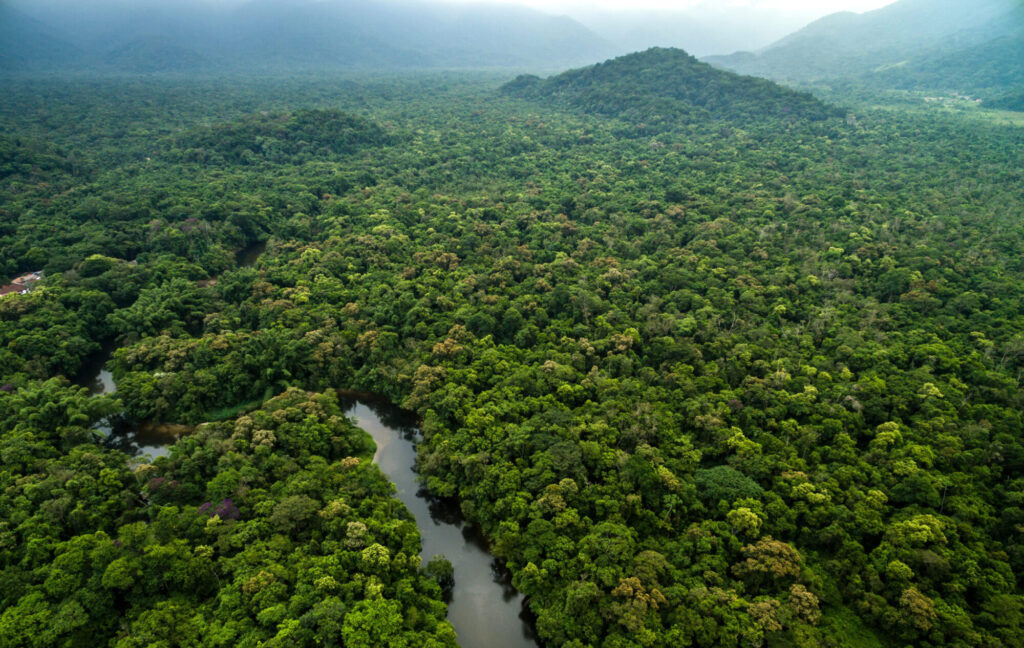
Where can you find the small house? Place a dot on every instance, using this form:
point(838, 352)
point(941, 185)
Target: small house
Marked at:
point(22, 284)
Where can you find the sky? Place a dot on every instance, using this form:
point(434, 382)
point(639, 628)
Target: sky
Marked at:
point(551, 6)
point(804, 6)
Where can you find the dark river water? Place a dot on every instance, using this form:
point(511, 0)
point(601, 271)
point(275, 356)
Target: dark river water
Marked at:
point(485, 609)
point(247, 256)
point(149, 439)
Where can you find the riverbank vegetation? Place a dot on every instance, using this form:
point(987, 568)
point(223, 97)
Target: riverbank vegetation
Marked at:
point(272, 529)
point(718, 383)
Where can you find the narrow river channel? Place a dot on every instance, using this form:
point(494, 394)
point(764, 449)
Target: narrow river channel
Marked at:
point(485, 609)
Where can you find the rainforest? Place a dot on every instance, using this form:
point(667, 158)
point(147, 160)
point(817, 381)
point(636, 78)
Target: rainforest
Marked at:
point(698, 359)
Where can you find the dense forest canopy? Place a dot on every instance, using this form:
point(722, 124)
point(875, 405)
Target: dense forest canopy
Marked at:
point(721, 379)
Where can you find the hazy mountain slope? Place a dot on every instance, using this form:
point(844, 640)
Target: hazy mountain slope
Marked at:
point(287, 35)
point(848, 44)
point(153, 55)
point(308, 35)
point(102, 25)
point(516, 36)
point(995, 65)
point(665, 85)
point(28, 45)
point(1013, 100)
point(412, 34)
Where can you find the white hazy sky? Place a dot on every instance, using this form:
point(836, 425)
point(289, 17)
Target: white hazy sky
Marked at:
point(801, 6)
point(804, 6)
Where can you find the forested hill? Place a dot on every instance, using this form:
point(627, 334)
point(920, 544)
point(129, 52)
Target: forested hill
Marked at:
point(989, 69)
point(961, 45)
point(667, 85)
point(1013, 100)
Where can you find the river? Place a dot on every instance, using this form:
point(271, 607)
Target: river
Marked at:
point(247, 256)
point(486, 611)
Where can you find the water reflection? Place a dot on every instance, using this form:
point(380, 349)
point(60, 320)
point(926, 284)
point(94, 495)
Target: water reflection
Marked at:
point(144, 439)
point(485, 608)
point(93, 374)
point(136, 439)
point(247, 256)
point(102, 383)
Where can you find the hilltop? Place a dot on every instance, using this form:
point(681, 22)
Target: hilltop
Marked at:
point(668, 84)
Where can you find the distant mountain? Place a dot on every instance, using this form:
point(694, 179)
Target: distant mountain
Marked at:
point(410, 34)
point(1013, 100)
point(511, 36)
point(665, 85)
point(268, 34)
point(290, 35)
point(940, 44)
point(153, 55)
point(993, 66)
point(28, 45)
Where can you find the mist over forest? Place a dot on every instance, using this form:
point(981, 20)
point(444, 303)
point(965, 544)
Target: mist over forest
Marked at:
point(207, 35)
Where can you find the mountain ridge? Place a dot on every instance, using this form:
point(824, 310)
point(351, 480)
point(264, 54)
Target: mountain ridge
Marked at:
point(259, 36)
